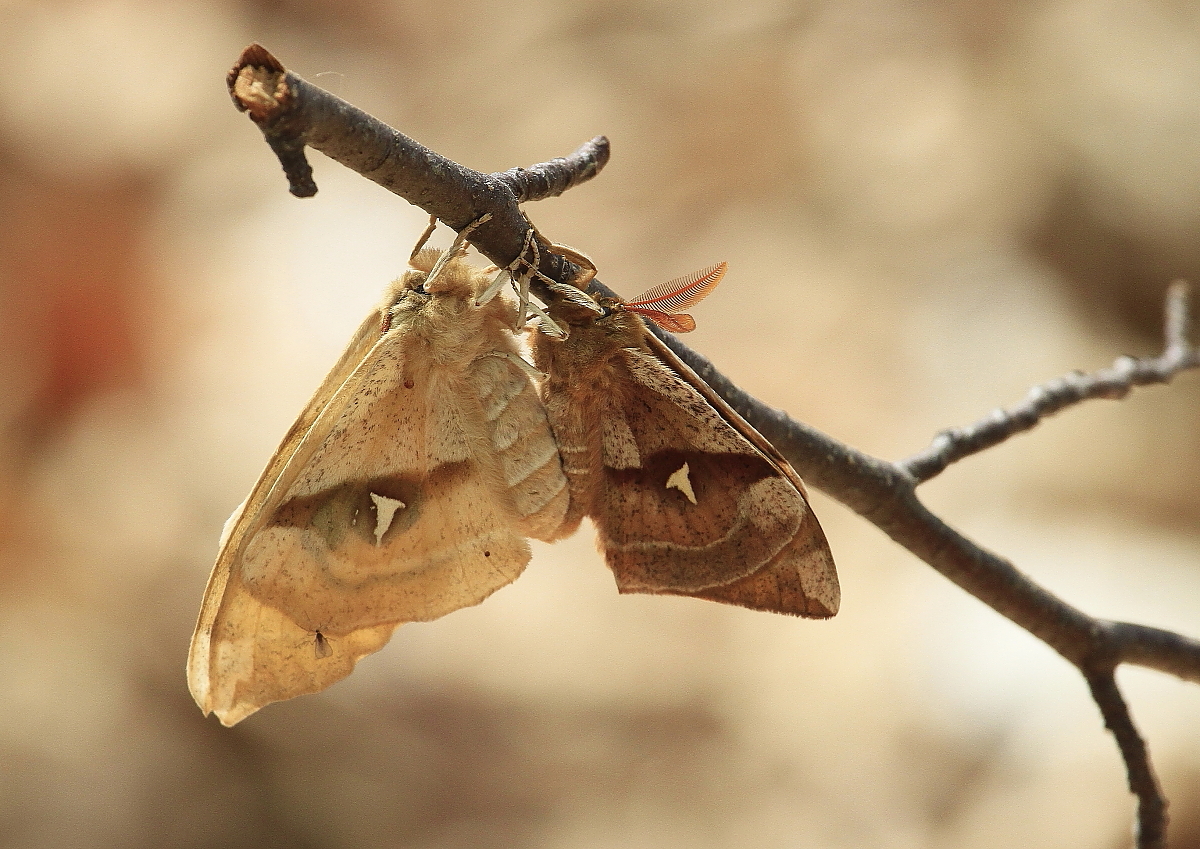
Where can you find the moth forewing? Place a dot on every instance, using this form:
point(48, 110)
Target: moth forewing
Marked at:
point(800, 579)
point(805, 566)
point(684, 372)
point(403, 492)
point(235, 527)
point(687, 498)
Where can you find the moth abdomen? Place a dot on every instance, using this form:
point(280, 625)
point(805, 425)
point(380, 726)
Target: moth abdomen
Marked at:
point(524, 446)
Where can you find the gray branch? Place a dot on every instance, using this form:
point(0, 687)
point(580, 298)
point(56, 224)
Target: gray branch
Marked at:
point(293, 113)
point(1115, 382)
point(1150, 830)
point(551, 179)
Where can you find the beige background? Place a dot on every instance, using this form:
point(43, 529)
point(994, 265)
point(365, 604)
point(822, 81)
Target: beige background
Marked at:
point(926, 208)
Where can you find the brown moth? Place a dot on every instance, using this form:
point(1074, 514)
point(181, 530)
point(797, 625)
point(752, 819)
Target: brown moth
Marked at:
point(687, 498)
point(404, 491)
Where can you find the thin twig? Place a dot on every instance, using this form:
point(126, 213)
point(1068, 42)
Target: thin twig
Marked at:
point(1153, 648)
point(885, 495)
point(1151, 828)
point(551, 179)
point(292, 111)
point(1115, 382)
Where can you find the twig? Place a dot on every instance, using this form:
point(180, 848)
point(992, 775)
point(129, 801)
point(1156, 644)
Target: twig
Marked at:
point(1151, 829)
point(551, 179)
point(1115, 382)
point(292, 112)
point(885, 494)
point(1153, 648)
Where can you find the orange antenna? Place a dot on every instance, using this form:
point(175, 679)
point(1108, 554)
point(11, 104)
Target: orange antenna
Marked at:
point(665, 304)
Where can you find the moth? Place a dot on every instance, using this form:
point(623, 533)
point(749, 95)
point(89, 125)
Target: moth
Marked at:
point(687, 498)
point(405, 490)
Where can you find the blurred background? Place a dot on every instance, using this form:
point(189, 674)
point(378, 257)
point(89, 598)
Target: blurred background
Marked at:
point(926, 207)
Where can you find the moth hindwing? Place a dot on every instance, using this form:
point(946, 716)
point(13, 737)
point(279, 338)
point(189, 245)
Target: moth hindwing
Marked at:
point(687, 498)
point(404, 491)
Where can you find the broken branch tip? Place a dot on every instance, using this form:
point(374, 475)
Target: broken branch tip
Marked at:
point(258, 56)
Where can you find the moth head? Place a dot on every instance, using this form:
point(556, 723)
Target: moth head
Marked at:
point(449, 282)
point(597, 330)
point(404, 297)
point(614, 319)
point(573, 306)
point(618, 323)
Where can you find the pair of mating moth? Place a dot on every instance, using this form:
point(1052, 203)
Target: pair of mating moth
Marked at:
point(409, 484)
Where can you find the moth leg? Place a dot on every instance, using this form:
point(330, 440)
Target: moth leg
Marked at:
point(548, 325)
point(457, 247)
point(518, 361)
point(494, 287)
point(573, 292)
point(520, 279)
point(570, 294)
point(587, 267)
point(523, 297)
point(511, 274)
point(531, 258)
point(525, 267)
point(433, 222)
point(577, 298)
